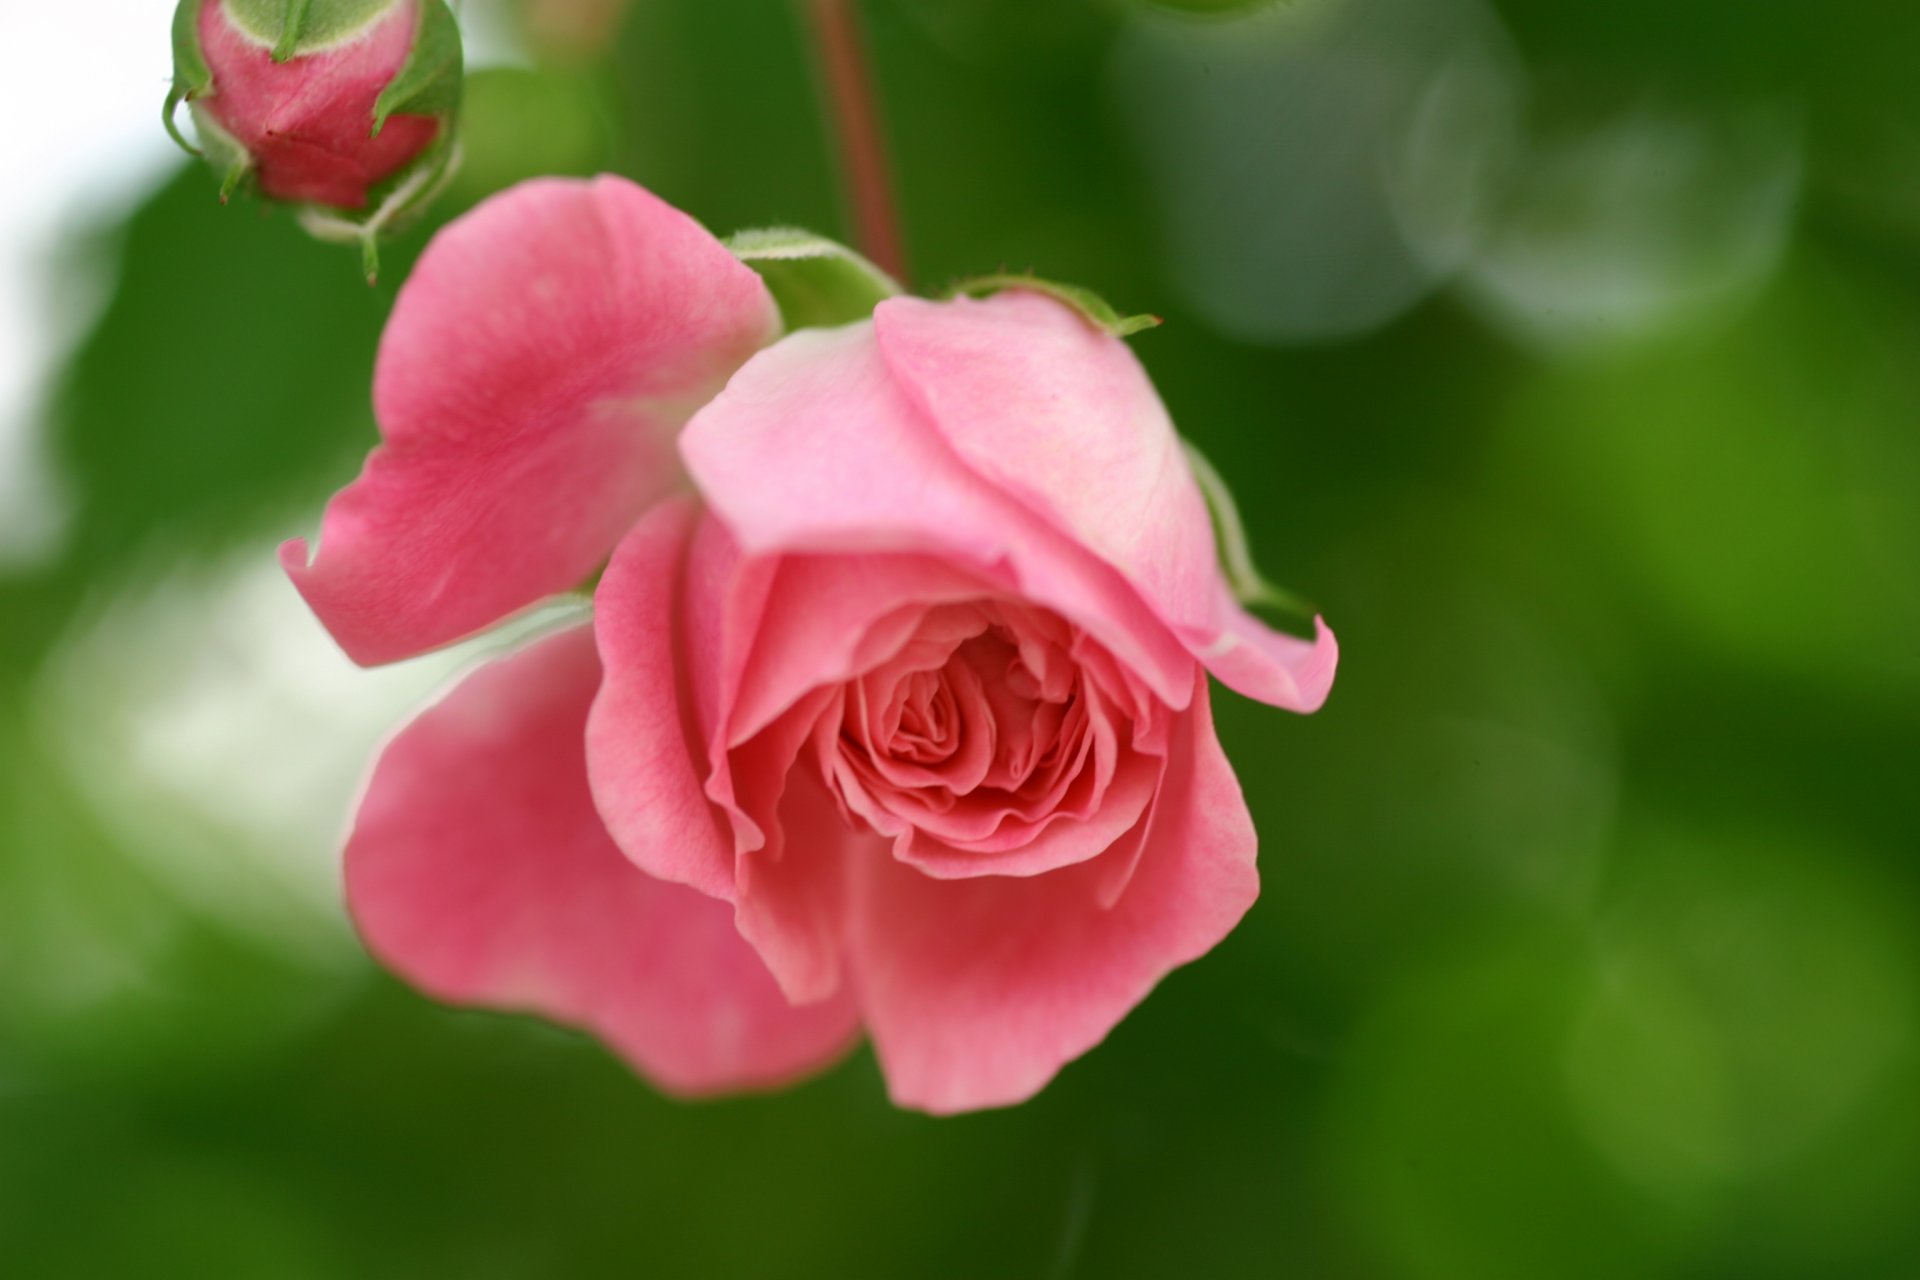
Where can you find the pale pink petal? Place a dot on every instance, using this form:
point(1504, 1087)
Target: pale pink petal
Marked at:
point(1060, 414)
point(977, 991)
point(538, 366)
point(646, 749)
point(479, 870)
point(812, 447)
point(1254, 660)
point(1049, 408)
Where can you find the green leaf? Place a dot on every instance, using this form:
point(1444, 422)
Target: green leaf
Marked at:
point(816, 281)
point(1276, 606)
point(430, 83)
point(191, 75)
point(1097, 310)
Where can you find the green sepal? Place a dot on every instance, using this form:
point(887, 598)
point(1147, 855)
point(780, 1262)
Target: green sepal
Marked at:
point(390, 207)
point(289, 41)
point(430, 82)
point(222, 152)
point(1097, 310)
point(297, 27)
point(191, 75)
point(235, 175)
point(1276, 606)
point(816, 281)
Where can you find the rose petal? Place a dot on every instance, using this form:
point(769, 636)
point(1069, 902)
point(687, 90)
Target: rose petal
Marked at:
point(977, 991)
point(826, 619)
point(1256, 661)
point(479, 871)
point(1052, 410)
point(1034, 848)
point(644, 743)
point(792, 908)
point(813, 448)
point(655, 621)
point(538, 366)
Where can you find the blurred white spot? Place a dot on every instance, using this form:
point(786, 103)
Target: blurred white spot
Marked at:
point(213, 723)
point(1321, 165)
point(490, 34)
point(1639, 225)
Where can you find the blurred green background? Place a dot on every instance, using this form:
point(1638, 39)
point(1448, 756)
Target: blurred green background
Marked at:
point(1568, 355)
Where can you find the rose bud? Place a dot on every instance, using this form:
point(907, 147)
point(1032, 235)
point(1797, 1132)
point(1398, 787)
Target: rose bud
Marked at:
point(345, 107)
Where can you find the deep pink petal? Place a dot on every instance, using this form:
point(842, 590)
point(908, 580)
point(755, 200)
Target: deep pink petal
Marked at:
point(792, 907)
point(812, 447)
point(646, 749)
point(1037, 848)
point(479, 870)
point(538, 366)
point(977, 991)
point(826, 619)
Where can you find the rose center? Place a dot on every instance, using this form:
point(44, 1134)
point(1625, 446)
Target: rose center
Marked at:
point(981, 707)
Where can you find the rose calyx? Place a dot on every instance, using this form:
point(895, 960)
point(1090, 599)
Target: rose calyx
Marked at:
point(817, 282)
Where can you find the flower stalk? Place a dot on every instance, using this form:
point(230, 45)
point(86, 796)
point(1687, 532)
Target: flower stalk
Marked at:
point(853, 110)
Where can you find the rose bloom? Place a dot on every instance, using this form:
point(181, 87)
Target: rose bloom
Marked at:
point(893, 713)
point(307, 123)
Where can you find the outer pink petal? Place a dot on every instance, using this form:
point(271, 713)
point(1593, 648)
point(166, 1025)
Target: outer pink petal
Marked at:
point(539, 363)
point(479, 870)
point(813, 448)
point(1253, 659)
point(977, 991)
point(646, 749)
point(1052, 410)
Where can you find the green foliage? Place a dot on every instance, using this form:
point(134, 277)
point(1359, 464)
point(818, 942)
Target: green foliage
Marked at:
point(1586, 945)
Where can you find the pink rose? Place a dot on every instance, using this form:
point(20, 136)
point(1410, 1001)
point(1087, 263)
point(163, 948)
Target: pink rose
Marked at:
point(899, 710)
point(301, 119)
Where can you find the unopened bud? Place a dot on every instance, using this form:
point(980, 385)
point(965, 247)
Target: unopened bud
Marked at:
point(345, 107)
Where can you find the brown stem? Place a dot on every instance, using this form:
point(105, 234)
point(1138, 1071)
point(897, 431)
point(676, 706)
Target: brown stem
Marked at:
point(855, 111)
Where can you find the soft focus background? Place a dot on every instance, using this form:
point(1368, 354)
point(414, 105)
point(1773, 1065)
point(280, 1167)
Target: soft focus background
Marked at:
point(1567, 354)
